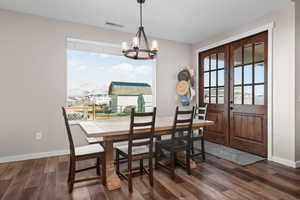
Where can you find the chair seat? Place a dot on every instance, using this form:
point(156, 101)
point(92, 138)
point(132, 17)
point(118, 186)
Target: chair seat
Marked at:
point(88, 149)
point(135, 150)
point(172, 145)
point(166, 137)
point(125, 143)
point(94, 140)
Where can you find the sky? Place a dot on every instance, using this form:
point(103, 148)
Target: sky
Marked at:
point(91, 71)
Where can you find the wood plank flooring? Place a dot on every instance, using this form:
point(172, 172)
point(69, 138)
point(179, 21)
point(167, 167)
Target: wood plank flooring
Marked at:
point(214, 179)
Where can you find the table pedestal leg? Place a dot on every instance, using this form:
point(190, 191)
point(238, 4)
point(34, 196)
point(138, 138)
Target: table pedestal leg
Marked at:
point(112, 180)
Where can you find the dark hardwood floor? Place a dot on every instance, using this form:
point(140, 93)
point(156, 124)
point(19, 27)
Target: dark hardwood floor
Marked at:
point(214, 179)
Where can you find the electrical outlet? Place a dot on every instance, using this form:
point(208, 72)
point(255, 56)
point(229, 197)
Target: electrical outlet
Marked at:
point(38, 135)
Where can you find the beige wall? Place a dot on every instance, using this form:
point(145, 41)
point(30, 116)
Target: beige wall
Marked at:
point(283, 78)
point(33, 78)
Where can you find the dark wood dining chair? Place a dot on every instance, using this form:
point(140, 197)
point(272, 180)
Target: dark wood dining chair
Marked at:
point(200, 113)
point(91, 151)
point(140, 146)
point(180, 141)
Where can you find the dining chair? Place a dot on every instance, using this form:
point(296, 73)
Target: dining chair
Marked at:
point(140, 146)
point(91, 151)
point(200, 113)
point(179, 142)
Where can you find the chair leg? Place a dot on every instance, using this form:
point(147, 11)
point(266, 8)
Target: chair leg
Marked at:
point(151, 170)
point(72, 175)
point(188, 160)
point(98, 167)
point(156, 155)
point(192, 147)
point(202, 148)
point(70, 169)
point(172, 165)
point(130, 176)
point(117, 162)
point(141, 167)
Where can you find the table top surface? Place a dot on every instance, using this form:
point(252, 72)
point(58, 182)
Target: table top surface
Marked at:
point(120, 126)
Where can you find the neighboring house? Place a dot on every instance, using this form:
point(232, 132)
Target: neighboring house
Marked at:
point(124, 94)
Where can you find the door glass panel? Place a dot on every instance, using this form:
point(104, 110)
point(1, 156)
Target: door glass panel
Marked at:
point(259, 73)
point(238, 95)
point(259, 52)
point(213, 95)
point(248, 74)
point(247, 94)
point(221, 95)
point(248, 54)
point(206, 79)
point(221, 78)
point(206, 63)
point(221, 60)
point(238, 56)
point(213, 78)
point(213, 61)
point(237, 75)
point(259, 95)
point(206, 95)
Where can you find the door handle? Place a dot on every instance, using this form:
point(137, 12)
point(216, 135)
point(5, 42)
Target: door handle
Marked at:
point(231, 108)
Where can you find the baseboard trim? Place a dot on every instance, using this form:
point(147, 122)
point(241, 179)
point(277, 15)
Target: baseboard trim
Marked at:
point(282, 161)
point(33, 156)
point(297, 164)
point(286, 162)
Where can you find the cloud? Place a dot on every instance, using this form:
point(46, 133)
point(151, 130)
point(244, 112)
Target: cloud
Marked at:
point(123, 67)
point(101, 67)
point(94, 54)
point(73, 62)
point(99, 54)
point(142, 69)
point(81, 67)
point(104, 55)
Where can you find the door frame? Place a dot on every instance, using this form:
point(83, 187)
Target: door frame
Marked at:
point(268, 27)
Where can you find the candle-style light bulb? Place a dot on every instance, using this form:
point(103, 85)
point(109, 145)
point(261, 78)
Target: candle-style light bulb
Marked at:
point(154, 45)
point(135, 42)
point(124, 46)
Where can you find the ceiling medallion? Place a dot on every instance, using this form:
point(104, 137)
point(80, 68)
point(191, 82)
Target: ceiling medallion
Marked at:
point(139, 48)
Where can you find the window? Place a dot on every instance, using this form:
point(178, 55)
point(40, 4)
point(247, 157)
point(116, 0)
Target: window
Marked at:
point(249, 75)
point(103, 84)
point(214, 79)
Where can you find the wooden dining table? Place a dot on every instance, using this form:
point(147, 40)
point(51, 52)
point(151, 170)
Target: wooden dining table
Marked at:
point(116, 130)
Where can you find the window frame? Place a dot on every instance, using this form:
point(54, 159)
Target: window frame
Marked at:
point(103, 48)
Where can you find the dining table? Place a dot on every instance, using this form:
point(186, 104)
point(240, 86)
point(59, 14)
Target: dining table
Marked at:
point(117, 129)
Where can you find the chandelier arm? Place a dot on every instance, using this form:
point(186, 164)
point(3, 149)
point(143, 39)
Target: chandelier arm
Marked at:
point(146, 39)
point(139, 37)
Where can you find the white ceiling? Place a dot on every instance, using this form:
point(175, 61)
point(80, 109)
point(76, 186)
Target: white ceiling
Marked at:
point(180, 20)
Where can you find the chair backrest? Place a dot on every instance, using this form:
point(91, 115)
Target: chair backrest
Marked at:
point(183, 123)
point(71, 143)
point(201, 112)
point(142, 126)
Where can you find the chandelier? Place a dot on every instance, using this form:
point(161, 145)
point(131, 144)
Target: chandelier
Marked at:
point(139, 49)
